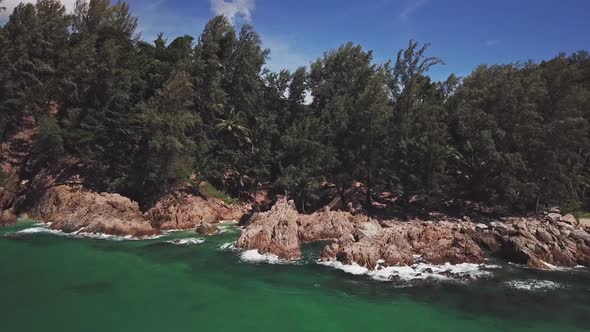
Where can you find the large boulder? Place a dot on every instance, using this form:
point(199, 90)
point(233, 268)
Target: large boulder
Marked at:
point(71, 209)
point(273, 232)
point(182, 210)
point(207, 229)
point(7, 218)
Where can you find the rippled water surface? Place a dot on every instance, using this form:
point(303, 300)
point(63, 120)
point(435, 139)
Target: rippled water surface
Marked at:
point(187, 282)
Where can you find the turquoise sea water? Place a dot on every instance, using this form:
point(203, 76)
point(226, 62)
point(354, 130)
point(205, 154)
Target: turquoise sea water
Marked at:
point(50, 282)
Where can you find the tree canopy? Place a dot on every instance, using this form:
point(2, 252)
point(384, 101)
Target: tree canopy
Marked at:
point(143, 117)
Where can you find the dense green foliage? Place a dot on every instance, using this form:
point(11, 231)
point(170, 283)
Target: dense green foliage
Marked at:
point(146, 117)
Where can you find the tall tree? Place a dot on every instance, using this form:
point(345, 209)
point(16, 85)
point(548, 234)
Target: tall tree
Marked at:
point(417, 139)
point(339, 85)
point(34, 38)
point(102, 127)
point(169, 121)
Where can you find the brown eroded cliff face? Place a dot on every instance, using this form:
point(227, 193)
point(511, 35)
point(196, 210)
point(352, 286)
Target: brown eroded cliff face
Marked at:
point(70, 207)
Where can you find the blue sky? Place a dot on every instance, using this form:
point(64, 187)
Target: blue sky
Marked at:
point(464, 33)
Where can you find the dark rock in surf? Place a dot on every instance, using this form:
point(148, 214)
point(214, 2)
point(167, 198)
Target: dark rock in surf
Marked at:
point(207, 229)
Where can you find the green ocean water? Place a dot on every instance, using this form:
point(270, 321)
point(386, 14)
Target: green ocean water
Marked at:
point(56, 283)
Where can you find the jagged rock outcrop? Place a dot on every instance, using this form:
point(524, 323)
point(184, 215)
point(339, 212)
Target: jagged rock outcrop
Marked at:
point(539, 243)
point(72, 208)
point(207, 229)
point(401, 242)
point(556, 240)
point(361, 240)
point(182, 210)
point(274, 232)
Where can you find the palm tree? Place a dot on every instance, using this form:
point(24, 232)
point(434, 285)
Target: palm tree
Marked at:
point(233, 129)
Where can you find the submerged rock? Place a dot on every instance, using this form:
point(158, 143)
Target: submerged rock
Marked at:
point(273, 232)
point(207, 229)
point(71, 209)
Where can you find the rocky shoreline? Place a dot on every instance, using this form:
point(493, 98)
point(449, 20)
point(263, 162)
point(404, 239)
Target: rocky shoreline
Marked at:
point(537, 242)
point(540, 242)
point(58, 196)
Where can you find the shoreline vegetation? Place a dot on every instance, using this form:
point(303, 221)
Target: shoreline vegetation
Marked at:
point(103, 132)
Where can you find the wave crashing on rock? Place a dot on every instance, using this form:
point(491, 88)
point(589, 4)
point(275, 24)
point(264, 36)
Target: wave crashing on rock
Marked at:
point(80, 234)
point(418, 271)
point(533, 285)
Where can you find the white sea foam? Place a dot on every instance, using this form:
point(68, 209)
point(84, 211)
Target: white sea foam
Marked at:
point(253, 256)
point(555, 267)
point(187, 241)
point(227, 227)
point(227, 246)
point(174, 230)
point(40, 229)
point(348, 268)
point(80, 234)
point(549, 266)
point(419, 271)
point(533, 285)
point(228, 222)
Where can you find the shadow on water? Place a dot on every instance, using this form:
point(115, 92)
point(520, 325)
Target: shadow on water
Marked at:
point(91, 287)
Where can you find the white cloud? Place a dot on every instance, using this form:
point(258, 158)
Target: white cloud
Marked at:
point(11, 4)
point(282, 55)
point(411, 8)
point(233, 8)
point(155, 17)
point(491, 42)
